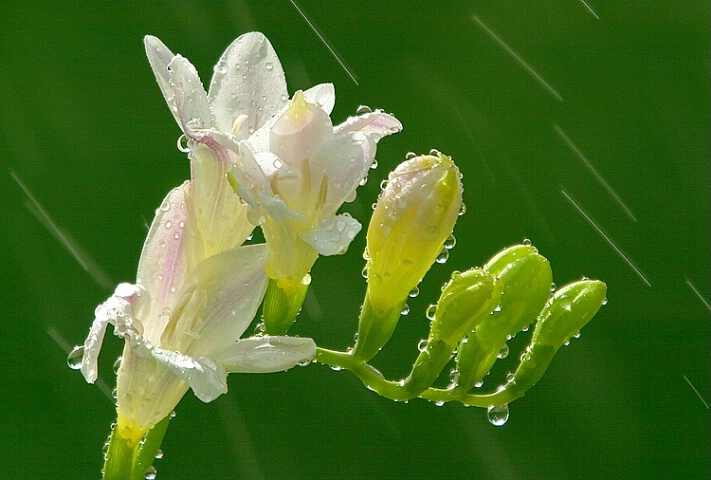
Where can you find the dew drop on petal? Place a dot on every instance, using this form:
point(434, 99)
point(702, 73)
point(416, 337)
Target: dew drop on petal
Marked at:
point(498, 414)
point(75, 357)
point(410, 155)
point(435, 153)
point(450, 242)
point(526, 242)
point(364, 273)
point(504, 352)
point(553, 287)
point(117, 364)
point(604, 301)
point(183, 144)
point(422, 345)
point(363, 109)
point(479, 384)
point(430, 313)
point(159, 454)
point(269, 66)
point(414, 292)
point(168, 224)
point(462, 209)
point(374, 165)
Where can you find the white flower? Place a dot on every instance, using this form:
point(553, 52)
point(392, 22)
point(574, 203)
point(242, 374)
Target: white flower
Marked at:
point(197, 289)
point(297, 170)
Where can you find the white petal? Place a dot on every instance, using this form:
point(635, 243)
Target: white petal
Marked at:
point(338, 167)
point(252, 184)
point(180, 85)
point(333, 235)
point(376, 125)
point(119, 311)
point(229, 287)
point(323, 95)
point(171, 250)
point(267, 354)
point(248, 80)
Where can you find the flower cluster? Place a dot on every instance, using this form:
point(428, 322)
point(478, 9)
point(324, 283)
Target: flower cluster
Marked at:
point(261, 159)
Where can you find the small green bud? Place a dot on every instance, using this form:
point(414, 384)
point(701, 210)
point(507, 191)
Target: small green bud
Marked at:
point(525, 277)
point(414, 216)
point(466, 300)
point(566, 313)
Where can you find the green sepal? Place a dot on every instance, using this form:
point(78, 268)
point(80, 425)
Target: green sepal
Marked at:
point(281, 307)
point(375, 327)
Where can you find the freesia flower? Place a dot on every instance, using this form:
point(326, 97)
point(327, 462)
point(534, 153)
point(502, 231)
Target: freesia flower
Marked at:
point(197, 289)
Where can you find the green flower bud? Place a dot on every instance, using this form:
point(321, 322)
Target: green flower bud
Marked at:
point(281, 306)
point(525, 277)
point(414, 216)
point(570, 308)
point(466, 300)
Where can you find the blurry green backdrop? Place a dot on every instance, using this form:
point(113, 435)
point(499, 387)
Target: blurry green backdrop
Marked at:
point(607, 116)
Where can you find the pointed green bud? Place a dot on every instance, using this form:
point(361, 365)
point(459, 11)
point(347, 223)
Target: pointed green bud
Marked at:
point(525, 277)
point(282, 304)
point(414, 216)
point(569, 310)
point(466, 300)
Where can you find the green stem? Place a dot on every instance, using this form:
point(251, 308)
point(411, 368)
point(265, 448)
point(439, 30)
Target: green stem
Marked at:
point(147, 449)
point(126, 461)
point(119, 458)
point(399, 391)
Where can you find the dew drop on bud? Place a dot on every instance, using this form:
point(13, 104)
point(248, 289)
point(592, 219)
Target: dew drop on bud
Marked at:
point(183, 144)
point(150, 473)
point(450, 242)
point(462, 209)
point(75, 357)
point(422, 346)
point(159, 454)
point(363, 109)
point(604, 301)
point(479, 384)
point(439, 403)
point(526, 242)
point(443, 256)
point(374, 165)
point(117, 364)
point(553, 287)
point(405, 310)
point(410, 155)
point(504, 352)
point(364, 273)
point(435, 153)
point(414, 292)
point(430, 313)
point(498, 414)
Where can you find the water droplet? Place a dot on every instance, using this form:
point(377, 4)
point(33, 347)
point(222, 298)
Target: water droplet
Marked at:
point(410, 155)
point(165, 206)
point(75, 357)
point(363, 109)
point(450, 242)
point(526, 242)
point(435, 153)
point(159, 454)
point(504, 352)
point(576, 334)
point(553, 287)
point(168, 224)
point(278, 163)
point(430, 313)
point(422, 345)
point(443, 256)
point(414, 292)
point(259, 329)
point(173, 414)
point(151, 473)
point(176, 236)
point(405, 310)
point(269, 66)
point(498, 309)
point(336, 368)
point(462, 209)
point(182, 225)
point(604, 301)
point(510, 377)
point(479, 384)
point(117, 364)
point(183, 144)
point(364, 273)
point(363, 181)
point(498, 414)
point(374, 165)
point(439, 403)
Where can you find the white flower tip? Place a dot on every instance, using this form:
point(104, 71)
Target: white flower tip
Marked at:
point(268, 354)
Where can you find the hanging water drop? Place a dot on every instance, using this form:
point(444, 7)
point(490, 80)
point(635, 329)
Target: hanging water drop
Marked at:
point(364, 273)
point(405, 310)
point(410, 155)
point(422, 345)
point(604, 301)
point(374, 165)
point(151, 473)
point(504, 352)
point(430, 313)
point(526, 242)
point(117, 365)
point(159, 454)
point(553, 287)
point(479, 384)
point(414, 292)
point(443, 256)
point(183, 144)
point(450, 242)
point(363, 109)
point(498, 414)
point(75, 357)
point(462, 209)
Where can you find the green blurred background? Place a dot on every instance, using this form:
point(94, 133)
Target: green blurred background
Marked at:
point(86, 130)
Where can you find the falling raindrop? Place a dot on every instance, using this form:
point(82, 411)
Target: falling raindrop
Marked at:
point(504, 352)
point(75, 357)
point(498, 414)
